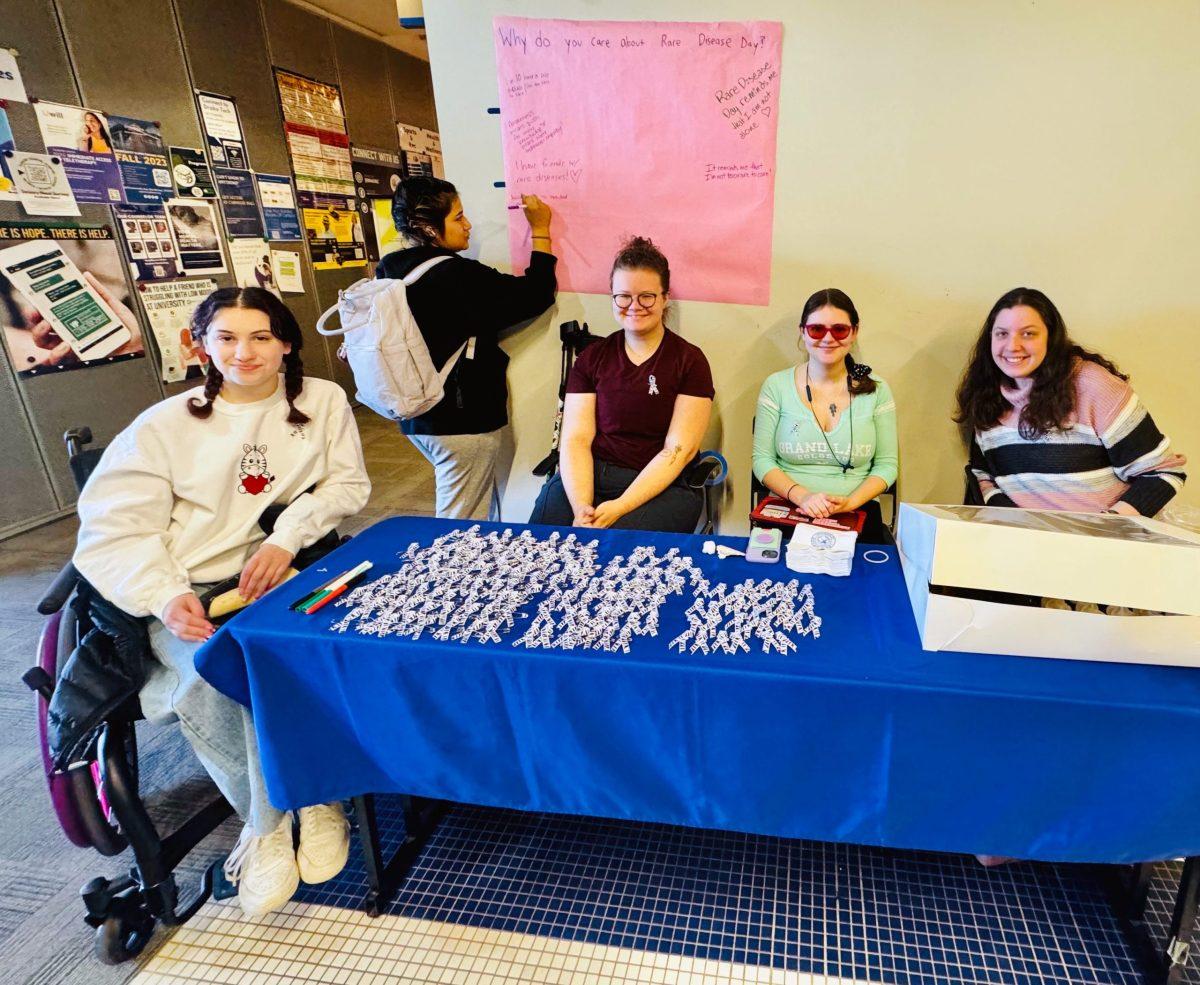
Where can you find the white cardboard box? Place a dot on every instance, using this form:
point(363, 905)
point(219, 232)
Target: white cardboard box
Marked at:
point(1085, 557)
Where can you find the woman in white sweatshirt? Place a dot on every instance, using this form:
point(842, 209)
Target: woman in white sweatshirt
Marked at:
point(173, 507)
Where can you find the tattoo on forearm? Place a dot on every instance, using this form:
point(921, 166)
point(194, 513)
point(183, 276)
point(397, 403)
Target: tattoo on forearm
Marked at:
point(672, 453)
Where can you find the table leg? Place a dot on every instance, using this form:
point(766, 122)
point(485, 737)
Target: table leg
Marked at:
point(384, 877)
point(1128, 893)
point(1183, 920)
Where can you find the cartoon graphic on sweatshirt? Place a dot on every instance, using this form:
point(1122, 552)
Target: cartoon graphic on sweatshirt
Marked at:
point(255, 477)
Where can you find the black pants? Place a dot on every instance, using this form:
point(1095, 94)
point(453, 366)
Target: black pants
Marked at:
point(675, 510)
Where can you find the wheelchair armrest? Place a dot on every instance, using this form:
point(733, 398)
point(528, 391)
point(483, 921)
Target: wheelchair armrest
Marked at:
point(59, 591)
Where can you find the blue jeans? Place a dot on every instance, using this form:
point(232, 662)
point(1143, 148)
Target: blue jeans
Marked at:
point(675, 510)
point(219, 730)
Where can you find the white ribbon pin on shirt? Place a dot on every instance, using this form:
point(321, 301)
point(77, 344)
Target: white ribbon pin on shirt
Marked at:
point(653, 386)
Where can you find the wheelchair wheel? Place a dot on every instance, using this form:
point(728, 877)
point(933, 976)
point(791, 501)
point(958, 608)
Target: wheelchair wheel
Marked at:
point(78, 793)
point(120, 938)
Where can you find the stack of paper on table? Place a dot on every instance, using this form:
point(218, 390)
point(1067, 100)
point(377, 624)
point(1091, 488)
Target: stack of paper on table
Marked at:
point(824, 546)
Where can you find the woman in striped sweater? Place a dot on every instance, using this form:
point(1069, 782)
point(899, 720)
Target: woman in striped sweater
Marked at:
point(1057, 427)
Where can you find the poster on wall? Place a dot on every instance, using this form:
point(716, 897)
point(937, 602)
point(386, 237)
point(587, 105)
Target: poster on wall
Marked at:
point(222, 130)
point(377, 173)
point(251, 262)
point(421, 150)
point(191, 174)
point(40, 182)
point(315, 126)
point(335, 237)
point(238, 204)
point(384, 228)
point(703, 173)
point(412, 138)
point(8, 190)
point(64, 303)
point(433, 150)
point(81, 138)
point(142, 159)
point(196, 236)
point(12, 87)
point(148, 244)
point(288, 275)
point(169, 308)
point(278, 203)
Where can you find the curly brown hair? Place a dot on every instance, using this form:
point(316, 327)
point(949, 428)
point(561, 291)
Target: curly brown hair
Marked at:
point(980, 397)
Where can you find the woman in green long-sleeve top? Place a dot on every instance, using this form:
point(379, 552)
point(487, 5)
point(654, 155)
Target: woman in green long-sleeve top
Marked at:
point(825, 430)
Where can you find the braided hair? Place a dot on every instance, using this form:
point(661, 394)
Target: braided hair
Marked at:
point(858, 375)
point(420, 206)
point(283, 326)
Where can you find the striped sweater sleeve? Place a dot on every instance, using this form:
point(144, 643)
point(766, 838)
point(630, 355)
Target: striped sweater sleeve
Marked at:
point(991, 493)
point(1140, 454)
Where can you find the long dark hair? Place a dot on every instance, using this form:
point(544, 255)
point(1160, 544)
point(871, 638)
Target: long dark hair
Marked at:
point(283, 326)
point(420, 206)
point(858, 376)
point(981, 400)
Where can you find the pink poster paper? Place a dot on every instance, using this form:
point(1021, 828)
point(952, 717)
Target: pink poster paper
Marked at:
point(666, 130)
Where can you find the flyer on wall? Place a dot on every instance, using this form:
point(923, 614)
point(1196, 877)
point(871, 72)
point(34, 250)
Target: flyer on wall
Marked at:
point(41, 184)
point(148, 243)
point(251, 261)
point(335, 238)
point(238, 204)
point(82, 139)
point(278, 203)
point(288, 275)
point(142, 158)
point(12, 87)
point(169, 308)
point(315, 126)
point(64, 302)
point(223, 130)
point(383, 226)
point(196, 236)
point(377, 173)
point(190, 171)
point(8, 191)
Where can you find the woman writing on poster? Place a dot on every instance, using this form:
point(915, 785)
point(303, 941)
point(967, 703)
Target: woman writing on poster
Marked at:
point(461, 304)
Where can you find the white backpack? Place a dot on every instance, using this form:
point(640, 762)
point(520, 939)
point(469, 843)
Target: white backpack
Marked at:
point(386, 351)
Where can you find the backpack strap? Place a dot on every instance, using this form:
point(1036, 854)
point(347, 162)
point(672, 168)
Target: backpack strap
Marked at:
point(421, 269)
point(411, 278)
point(415, 275)
point(332, 309)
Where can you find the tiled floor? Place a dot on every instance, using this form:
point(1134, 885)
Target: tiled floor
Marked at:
point(500, 896)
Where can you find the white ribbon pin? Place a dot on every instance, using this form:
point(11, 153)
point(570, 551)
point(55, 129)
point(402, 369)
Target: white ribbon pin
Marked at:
point(653, 386)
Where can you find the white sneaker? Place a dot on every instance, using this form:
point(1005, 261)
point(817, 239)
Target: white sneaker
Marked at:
point(264, 868)
point(324, 842)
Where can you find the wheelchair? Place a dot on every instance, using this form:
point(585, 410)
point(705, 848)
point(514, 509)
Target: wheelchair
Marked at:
point(96, 797)
point(706, 472)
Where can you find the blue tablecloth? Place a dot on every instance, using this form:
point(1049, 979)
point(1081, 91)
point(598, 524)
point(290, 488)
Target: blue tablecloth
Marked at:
point(860, 736)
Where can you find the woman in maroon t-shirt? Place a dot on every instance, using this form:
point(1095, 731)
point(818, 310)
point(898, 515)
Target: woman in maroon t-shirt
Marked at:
point(637, 406)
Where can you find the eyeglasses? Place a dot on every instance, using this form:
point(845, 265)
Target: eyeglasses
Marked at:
point(644, 300)
point(839, 332)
